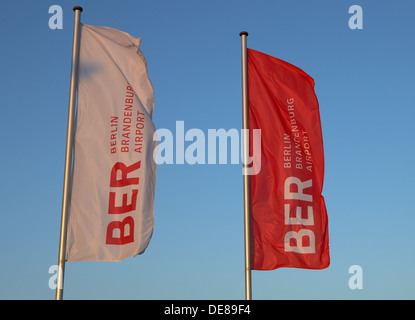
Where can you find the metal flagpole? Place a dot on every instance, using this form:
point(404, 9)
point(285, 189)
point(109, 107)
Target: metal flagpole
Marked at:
point(245, 127)
point(68, 156)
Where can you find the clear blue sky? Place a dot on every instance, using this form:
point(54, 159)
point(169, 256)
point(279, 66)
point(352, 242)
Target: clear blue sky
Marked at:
point(365, 85)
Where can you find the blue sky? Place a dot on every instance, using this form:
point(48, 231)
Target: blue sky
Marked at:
point(364, 83)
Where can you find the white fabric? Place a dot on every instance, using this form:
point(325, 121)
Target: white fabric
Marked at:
point(114, 125)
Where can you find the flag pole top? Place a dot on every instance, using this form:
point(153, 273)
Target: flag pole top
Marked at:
point(243, 33)
point(77, 8)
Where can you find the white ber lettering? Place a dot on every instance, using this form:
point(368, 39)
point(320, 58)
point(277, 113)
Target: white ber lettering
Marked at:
point(302, 241)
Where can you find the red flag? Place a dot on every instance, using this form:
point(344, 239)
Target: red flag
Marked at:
point(288, 213)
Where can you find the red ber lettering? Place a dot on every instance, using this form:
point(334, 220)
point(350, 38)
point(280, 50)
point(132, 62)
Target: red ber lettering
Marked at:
point(120, 225)
point(124, 181)
point(112, 209)
point(122, 176)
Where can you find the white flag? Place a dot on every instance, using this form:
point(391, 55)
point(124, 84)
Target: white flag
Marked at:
point(112, 203)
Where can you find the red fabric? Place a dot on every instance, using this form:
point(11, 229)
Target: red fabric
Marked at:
point(288, 213)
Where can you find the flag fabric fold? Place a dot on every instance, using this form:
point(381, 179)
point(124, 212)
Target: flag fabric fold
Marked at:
point(112, 202)
point(289, 226)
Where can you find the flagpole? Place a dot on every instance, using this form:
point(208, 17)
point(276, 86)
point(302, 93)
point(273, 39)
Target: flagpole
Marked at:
point(245, 127)
point(68, 156)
